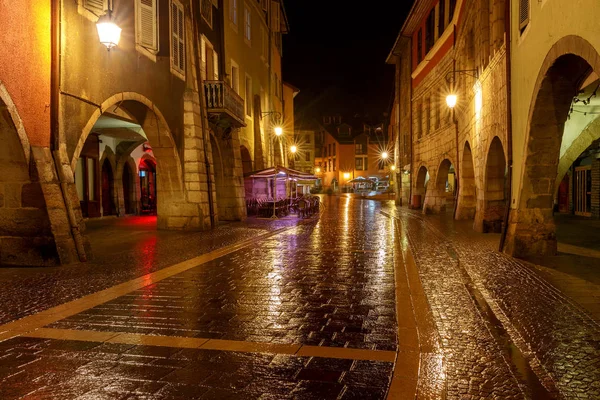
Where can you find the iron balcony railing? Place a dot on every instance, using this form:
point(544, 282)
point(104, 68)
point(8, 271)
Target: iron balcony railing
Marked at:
point(221, 98)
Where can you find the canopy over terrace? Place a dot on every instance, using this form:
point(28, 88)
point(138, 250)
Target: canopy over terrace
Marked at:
point(260, 184)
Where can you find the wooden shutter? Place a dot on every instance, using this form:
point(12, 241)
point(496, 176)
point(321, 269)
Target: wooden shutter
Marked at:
point(275, 20)
point(203, 58)
point(146, 24)
point(96, 6)
point(523, 13)
point(177, 37)
point(264, 4)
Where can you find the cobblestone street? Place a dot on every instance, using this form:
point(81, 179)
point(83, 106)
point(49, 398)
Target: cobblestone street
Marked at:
point(365, 301)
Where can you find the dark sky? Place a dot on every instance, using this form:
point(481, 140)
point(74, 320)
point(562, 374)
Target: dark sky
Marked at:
point(336, 50)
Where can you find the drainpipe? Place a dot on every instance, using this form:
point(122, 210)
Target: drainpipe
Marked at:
point(55, 30)
point(508, 124)
point(457, 167)
point(203, 118)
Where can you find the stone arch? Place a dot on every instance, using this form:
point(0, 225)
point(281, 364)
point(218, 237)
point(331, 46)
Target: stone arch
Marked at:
point(437, 197)
point(174, 209)
point(491, 205)
point(569, 62)
point(420, 189)
point(28, 236)
point(246, 160)
point(467, 195)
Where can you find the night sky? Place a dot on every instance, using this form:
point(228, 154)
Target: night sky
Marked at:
point(335, 54)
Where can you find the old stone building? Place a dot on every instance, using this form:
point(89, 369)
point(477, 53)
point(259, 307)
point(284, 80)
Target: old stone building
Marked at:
point(454, 159)
point(521, 141)
point(143, 121)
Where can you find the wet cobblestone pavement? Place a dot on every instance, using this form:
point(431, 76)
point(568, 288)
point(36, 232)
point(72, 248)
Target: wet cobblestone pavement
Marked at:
point(324, 288)
point(315, 310)
point(123, 249)
point(558, 339)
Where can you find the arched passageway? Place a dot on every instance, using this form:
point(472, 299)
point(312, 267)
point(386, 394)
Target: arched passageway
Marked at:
point(134, 130)
point(420, 188)
point(442, 193)
point(532, 229)
point(492, 204)
point(465, 208)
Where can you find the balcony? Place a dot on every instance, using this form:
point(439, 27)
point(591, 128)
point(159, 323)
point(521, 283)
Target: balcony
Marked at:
point(223, 102)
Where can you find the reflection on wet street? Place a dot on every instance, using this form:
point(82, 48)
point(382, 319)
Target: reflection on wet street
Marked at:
point(305, 313)
point(365, 301)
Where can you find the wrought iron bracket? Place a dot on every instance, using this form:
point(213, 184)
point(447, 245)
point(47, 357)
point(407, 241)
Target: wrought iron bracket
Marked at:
point(451, 75)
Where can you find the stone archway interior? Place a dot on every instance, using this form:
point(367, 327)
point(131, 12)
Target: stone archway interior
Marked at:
point(442, 192)
point(532, 228)
point(420, 188)
point(468, 190)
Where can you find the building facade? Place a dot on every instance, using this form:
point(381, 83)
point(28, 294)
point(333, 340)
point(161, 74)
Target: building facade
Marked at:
point(454, 158)
point(148, 123)
point(522, 138)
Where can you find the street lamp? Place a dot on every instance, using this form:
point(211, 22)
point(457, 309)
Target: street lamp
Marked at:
point(451, 100)
point(293, 149)
point(317, 170)
point(109, 33)
point(278, 130)
point(393, 167)
point(384, 155)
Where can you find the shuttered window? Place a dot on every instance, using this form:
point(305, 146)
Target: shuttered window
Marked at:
point(146, 24)
point(247, 24)
point(233, 11)
point(206, 10)
point(523, 13)
point(275, 16)
point(177, 38)
point(216, 65)
point(98, 7)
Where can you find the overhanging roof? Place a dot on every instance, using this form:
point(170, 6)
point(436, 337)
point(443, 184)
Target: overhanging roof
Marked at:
point(418, 11)
point(280, 172)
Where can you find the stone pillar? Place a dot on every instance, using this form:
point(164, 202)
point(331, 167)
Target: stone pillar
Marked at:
point(531, 232)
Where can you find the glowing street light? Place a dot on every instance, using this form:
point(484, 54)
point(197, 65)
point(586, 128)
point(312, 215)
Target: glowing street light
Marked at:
point(293, 149)
point(346, 175)
point(318, 170)
point(108, 32)
point(451, 100)
point(278, 131)
point(384, 155)
point(393, 167)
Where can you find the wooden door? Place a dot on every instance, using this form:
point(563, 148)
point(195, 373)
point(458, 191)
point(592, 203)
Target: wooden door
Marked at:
point(583, 191)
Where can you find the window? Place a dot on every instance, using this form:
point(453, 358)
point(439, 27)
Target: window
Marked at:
point(233, 11)
point(264, 39)
point(96, 6)
point(307, 156)
point(146, 32)
point(206, 11)
point(437, 115)
point(430, 31)
point(419, 120)
point(275, 17)
point(523, 14)
point(247, 24)
point(329, 153)
point(358, 163)
point(235, 77)
point(442, 17)
point(307, 139)
point(428, 116)
point(360, 148)
point(334, 149)
point(419, 46)
point(177, 39)
point(248, 96)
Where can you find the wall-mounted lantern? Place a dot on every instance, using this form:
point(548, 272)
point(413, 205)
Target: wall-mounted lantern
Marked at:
point(109, 33)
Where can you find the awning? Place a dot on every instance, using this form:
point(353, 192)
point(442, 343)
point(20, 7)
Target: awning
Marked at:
point(281, 172)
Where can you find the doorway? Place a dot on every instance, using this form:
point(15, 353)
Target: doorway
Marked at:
point(127, 186)
point(148, 187)
point(583, 191)
point(108, 204)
